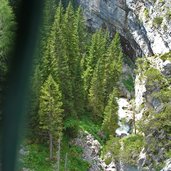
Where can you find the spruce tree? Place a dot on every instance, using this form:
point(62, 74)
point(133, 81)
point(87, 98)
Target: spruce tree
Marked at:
point(48, 18)
point(110, 121)
point(50, 113)
point(113, 66)
point(34, 101)
point(49, 61)
point(80, 40)
point(97, 50)
point(96, 93)
point(59, 51)
point(72, 32)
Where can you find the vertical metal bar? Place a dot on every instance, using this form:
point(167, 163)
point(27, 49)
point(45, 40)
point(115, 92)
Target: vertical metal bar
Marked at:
point(18, 83)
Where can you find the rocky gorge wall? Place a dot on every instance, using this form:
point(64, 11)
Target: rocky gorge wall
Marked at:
point(153, 101)
point(146, 24)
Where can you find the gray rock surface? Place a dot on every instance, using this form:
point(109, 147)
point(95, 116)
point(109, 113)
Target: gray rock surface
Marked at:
point(167, 165)
point(135, 20)
point(91, 152)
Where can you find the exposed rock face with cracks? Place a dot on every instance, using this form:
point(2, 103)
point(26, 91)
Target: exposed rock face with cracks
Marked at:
point(91, 152)
point(145, 24)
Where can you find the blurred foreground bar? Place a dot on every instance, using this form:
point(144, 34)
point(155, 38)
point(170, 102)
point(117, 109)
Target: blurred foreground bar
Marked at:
point(28, 26)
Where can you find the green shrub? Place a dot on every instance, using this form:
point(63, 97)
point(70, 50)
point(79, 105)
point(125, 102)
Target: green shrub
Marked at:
point(87, 125)
point(154, 77)
point(162, 1)
point(37, 159)
point(168, 15)
point(168, 154)
point(113, 146)
point(129, 83)
point(166, 56)
point(76, 162)
point(146, 13)
point(158, 21)
point(132, 146)
point(142, 64)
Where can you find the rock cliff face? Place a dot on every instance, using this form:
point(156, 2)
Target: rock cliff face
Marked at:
point(146, 24)
point(152, 99)
point(91, 152)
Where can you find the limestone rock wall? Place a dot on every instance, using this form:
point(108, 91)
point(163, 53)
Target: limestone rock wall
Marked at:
point(145, 24)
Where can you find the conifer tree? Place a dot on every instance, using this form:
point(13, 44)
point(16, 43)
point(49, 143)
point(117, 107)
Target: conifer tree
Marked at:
point(34, 101)
point(96, 51)
point(49, 62)
point(96, 94)
point(113, 65)
point(48, 18)
point(80, 40)
point(72, 31)
point(59, 51)
point(50, 113)
point(110, 121)
point(81, 30)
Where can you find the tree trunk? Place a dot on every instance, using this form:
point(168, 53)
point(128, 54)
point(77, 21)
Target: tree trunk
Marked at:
point(58, 154)
point(50, 146)
point(66, 158)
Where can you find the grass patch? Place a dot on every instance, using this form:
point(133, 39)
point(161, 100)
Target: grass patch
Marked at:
point(37, 159)
point(86, 124)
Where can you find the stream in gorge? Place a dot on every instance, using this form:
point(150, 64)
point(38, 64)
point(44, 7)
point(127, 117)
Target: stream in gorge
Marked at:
point(125, 114)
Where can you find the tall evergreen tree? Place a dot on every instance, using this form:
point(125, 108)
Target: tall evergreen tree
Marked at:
point(59, 51)
point(49, 62)
point(80, 40)
point(48, 18)
point(72, 31)
point(50, 113)
point(113, 65)
point(110, 121)
point(96, 93)
point(96, 51)
point(34, 101)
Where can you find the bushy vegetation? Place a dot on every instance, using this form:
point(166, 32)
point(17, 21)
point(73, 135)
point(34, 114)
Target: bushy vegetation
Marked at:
point(166, 56)
point(168, 15)
point(146, 13)
point(38, 158)
point(126, 150)
point(129, 83)
point(132, 146)
point(155, 123)
point(157, 21)
point(112, 146)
